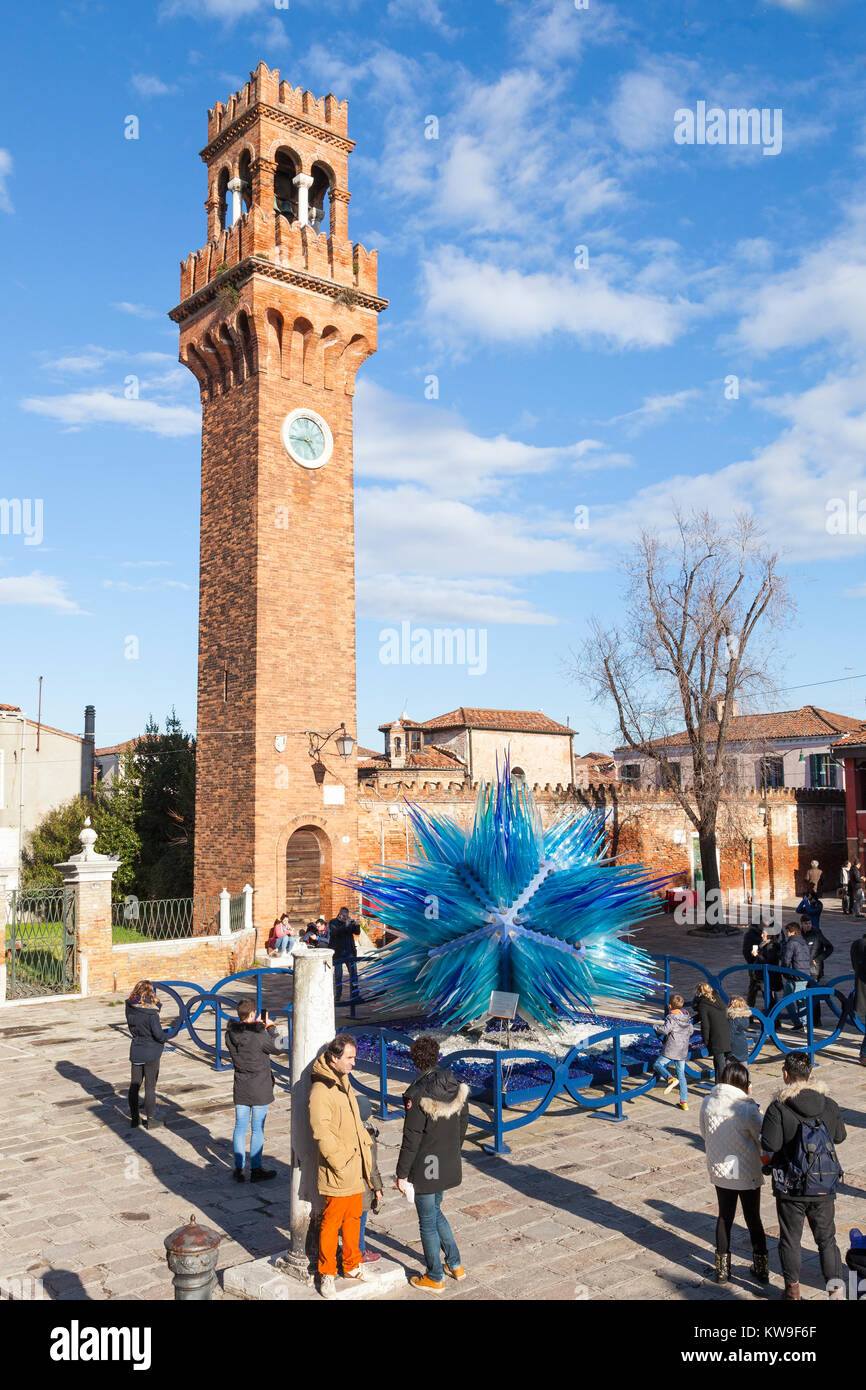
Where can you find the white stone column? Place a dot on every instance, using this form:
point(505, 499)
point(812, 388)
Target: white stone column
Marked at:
point(225, 912)
point(312, 1026)
point(303, 183)
point(248, 906)
point(89, 874)
point(234, 187)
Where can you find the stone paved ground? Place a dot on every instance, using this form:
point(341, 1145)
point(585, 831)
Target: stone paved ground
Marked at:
point(581, 1206)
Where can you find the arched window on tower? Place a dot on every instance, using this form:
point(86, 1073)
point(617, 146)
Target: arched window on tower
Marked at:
point(398, 747)
point(320, 198)
point(223, 197)
point(285, 192)
point(518, 777)
point(246, 178)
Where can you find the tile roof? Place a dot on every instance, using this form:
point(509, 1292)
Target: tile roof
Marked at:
point(852, 738)
point(807, 722)
point(508, 720)
point(11, 709)
point(427, 757)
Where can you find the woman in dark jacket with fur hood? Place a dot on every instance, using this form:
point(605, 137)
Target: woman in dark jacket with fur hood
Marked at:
point(145, 1050)
point(437, 1113)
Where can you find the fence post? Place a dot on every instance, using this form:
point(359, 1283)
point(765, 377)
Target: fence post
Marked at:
point(248, 907)
point(225, 912)
point(617, 1077)
point(218, 1036)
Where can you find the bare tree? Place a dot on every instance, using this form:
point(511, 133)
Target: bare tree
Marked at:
point(700, 614)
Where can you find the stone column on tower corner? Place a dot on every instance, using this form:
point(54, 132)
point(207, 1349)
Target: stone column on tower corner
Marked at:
point(88, 876)
point(313, 1025)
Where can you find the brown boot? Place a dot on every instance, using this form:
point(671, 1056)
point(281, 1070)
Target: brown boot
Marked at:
point(791, 1294)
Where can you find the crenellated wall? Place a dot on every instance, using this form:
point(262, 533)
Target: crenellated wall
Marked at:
point(265, 86)
point(787, 829)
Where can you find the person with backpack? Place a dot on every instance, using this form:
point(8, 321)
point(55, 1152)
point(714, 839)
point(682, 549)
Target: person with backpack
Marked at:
point(730, 1122)
point(858, 965)
point(145, 1051)
point(801, 1127)
point(712, 1018)
point(677, 1033)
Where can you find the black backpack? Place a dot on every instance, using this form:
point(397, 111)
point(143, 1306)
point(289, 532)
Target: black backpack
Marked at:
point(813, 1169)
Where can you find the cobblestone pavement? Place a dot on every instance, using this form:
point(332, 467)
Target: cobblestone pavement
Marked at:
point(582, 1207)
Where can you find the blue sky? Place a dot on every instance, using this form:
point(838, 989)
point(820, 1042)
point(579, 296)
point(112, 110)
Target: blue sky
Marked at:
point(560, 386)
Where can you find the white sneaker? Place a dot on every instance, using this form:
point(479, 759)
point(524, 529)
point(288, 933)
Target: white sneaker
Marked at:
point(671, 1086)
point(328, 1286)
point(359, 1273)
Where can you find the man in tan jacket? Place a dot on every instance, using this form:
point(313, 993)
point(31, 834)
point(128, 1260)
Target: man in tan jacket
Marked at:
point(344, 1160)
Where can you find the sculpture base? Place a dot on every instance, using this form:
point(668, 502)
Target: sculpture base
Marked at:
point(266, 1280)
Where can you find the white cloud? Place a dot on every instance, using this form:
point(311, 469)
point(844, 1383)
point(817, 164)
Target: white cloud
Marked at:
point(5, 172)
point(38, 591)
point(656, 409)
point(82, 408)
point(642, 111)
point(423, 442)
point(421, 12)
point(139, 311)
point(151, 584)
point(147, 85)
point(822, 297)
point(553, 32)
point(504, 305)
point(227, 10)
point(406, 530)
point(430, 599)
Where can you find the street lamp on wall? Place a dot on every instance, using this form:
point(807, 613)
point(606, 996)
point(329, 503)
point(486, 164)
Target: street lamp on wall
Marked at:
point(345, 743)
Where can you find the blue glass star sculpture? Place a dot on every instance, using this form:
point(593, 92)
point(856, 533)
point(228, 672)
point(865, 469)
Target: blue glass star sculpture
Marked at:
point(507, 905)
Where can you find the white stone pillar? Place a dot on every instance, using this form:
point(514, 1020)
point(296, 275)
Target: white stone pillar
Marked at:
point(313, 1025)
point(88, 874)
point(234, 187)
point(303, 183)
point(248, 907)
point(225, 912)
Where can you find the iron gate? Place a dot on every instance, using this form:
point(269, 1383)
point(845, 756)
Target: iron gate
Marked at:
point(40, 943)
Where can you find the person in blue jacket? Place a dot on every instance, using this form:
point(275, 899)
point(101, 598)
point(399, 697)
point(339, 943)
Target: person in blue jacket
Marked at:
point(796, 956)
point(145, 1050)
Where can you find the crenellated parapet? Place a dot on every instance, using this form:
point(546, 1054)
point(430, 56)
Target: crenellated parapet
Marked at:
point(266, 88)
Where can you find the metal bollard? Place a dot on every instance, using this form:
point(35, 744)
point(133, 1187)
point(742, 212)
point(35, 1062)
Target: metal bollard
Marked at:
point(191, 1252)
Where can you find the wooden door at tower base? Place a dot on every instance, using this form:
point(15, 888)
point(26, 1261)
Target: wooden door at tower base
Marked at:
point(303, 878)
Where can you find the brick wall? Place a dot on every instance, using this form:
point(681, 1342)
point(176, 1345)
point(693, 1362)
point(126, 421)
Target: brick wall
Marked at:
point(648, 828)
point(201, 959)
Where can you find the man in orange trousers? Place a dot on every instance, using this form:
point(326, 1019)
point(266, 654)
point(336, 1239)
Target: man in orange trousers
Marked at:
point(344, 1160)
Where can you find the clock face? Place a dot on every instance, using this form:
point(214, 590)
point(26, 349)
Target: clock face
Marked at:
point(307, 438)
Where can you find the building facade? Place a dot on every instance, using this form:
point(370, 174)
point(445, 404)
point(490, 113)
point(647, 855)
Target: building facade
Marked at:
point(788, 748)
point(40, 769)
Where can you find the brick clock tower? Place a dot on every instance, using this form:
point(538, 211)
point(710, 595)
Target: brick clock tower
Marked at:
point(277, 312)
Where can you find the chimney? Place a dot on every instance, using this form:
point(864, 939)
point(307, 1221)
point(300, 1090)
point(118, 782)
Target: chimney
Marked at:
point(88, 751)
point(718, 704)
point(397, 744)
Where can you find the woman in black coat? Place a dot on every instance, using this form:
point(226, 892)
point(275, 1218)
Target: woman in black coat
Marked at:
point(145, 1050)
point(712, 1018)
point(252, 1042)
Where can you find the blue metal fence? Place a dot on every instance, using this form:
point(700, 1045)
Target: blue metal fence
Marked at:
point(503, 1079)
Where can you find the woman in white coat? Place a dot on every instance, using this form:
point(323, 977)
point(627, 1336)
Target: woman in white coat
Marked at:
point(730, 1122)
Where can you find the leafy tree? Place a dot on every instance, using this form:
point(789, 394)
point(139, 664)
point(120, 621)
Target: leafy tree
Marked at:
point(158, 778)
point(56, 838)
